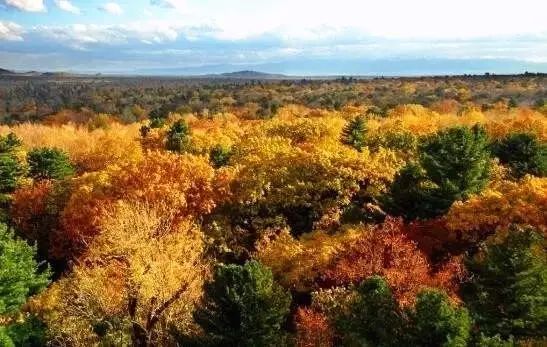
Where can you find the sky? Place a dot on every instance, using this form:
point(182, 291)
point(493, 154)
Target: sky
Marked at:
point(302, 37)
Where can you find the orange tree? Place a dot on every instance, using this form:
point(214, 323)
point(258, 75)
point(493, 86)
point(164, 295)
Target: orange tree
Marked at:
point(186, 184)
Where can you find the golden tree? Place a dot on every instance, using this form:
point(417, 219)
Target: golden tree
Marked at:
point(186, 184)
point(522, 202)
point(142, 274)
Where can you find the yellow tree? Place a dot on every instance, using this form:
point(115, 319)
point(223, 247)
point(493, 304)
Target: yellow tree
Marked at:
point(140, 276)
point(306, 182)
point(502, 204)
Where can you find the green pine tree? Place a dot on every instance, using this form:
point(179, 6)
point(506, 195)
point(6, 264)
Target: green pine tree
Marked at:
point(354, 133)
point(523, 153)
point(435, 321)
point(49, 163)
point(507, 290)
point(20, 277)
point(243, 307)
point(178, 136)
point(457, 160)
point(220, 156)
point(375, 318)
point(12, 168)
point(453, 164)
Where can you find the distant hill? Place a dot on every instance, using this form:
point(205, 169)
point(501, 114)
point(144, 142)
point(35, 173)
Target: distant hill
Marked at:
point(6, 72)
point(56, 74)
point(249, 74)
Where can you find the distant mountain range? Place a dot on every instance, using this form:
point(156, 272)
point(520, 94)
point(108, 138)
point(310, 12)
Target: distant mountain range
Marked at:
point(327, 68)
point(245, 74)
point(310, 68)
point(4, 72)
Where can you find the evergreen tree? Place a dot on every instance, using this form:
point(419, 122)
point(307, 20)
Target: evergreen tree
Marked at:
point(49, 163)
point(409, 192)
point(156, 123)
point(435, 321)
point(178, 136)
point(453, 164)
point(243, 307)
point(20, 278)
point(523, 153)
point(31, 332)
point(375, 318)
point(19, 274)
point(507, 290)
point(11, 166)
point(457, 160)
point(220, 156)
point(354, 133)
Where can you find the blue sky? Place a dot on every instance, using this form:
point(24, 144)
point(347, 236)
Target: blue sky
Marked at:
point(283, 36)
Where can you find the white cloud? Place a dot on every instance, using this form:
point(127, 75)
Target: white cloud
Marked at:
point(175, 4)
point(386, 18)
point(10, 31)
point(67, 6)
point(81, 36)
point(26, 5)
point(112, 8)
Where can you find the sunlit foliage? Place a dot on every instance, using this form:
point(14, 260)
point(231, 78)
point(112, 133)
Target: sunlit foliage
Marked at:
point(186, 185)
point(256, 213)
point(142, 274)
point(88, 150)
point(350, 256)
point(523, 202)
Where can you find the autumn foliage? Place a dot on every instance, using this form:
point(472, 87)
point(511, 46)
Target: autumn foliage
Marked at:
point(313, 329)
point(273, 219)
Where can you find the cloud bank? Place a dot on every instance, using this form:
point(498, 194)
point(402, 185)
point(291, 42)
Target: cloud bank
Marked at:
point(194, 34)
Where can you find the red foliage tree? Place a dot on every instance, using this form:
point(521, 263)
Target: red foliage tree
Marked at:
point(313, 329)
point(385, 250)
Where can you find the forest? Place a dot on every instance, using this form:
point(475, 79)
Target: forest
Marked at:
point(309, 213)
